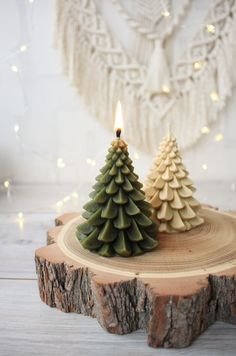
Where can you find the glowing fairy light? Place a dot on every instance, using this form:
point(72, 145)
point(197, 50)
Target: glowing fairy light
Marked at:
point(60, 163)
point(214, 96)
point(210, 28)
point(66, 199)
point(23, 48)
point(165, 13)
point(14, 68)
point(165, 89)
point(6, 184)
point(205, 130)
point(59, 204)
point(16, 128)
point(219, 137)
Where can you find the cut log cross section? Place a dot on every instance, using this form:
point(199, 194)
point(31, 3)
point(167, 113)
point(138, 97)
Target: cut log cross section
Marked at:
point(174, 292)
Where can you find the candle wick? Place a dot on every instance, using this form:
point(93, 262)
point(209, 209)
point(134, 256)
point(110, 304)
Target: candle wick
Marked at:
point(118, 132)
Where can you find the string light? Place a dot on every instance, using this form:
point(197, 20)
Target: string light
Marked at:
point(219, 137)
point(60, 163)
point(21, 220)
point(205, 130)
point(75, 195)
point(204, 167)
point(198, 65)
point(165, 89)
point(16, 128)
point(66, 199)
point(23, 48)
point(136, 156)
point(90, 161)
point(6, 184)
point(165, 13)
point(210, 28)
point(31, 1)
point(14, 68)
point(59, 204)
point(214, 96)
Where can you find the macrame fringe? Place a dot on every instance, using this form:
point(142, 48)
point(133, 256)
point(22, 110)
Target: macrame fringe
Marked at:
point(208, 94)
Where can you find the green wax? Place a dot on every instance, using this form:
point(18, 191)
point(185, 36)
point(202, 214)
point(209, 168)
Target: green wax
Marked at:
point(109, 210)
point(127, 186)
point(134, 232)
point(122, 245)
point(121, 197)
point(91, 241)
point(148, 243)
point(106, 178)
point(137, 185)
point(113, 171)
point(85, 228)
point(122, 221)
point(137, 195)
point(106, 250)
point(117, 216)
point(86, 214)
point(91, 206)
point(137, 250)
point(101, 197)
point(96, 218)
point(112, 187)
point(131, 208)
point(119, 163)
point(125, 169)
point(142, 220)
point(108, 232)
point(119, 179)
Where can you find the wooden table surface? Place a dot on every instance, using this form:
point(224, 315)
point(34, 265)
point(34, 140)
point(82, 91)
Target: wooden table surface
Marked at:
point(29, 327)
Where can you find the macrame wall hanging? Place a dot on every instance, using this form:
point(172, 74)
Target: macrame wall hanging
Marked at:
point(199, 84)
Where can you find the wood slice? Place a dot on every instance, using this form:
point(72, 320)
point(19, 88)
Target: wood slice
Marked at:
point(174, 292)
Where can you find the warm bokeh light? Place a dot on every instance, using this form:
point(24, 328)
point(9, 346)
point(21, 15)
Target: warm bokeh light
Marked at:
point(23, 48)
point(219, 137)
point(205, 130)
point(119, 126)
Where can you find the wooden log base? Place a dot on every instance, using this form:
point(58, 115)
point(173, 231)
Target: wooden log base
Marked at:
point(174, 292)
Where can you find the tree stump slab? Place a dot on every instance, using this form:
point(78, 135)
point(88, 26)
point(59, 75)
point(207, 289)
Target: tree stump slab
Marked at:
point(174, 292)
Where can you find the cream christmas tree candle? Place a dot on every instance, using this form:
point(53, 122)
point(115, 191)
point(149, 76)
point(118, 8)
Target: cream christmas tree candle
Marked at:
point(170, 191)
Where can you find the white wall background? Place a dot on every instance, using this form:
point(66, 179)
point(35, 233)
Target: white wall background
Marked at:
point(52, 121)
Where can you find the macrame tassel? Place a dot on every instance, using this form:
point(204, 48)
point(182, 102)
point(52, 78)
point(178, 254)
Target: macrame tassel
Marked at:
point(158, 75)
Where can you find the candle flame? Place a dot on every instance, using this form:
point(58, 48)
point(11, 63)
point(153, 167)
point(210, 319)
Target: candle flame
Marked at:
point(119, 126)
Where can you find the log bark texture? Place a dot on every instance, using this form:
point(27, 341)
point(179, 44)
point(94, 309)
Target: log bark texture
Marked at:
point(174, 310)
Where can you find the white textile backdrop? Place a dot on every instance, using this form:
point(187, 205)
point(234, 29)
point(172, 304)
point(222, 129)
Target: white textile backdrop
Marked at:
point(42, 118)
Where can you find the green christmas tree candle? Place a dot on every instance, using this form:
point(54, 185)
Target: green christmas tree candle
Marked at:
point(117, 218)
